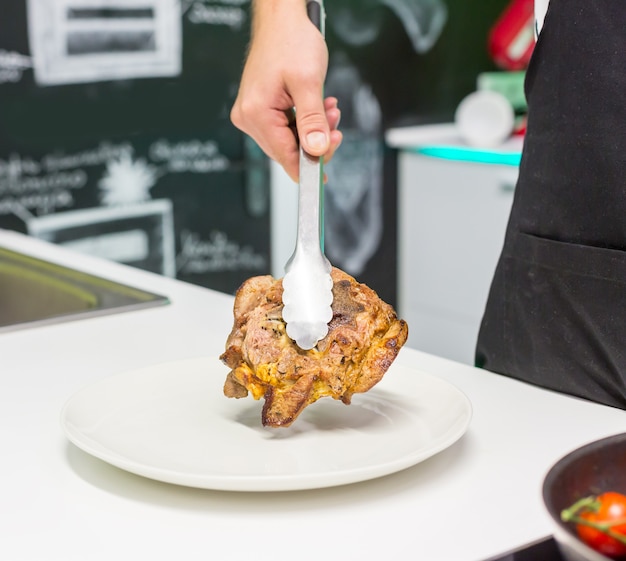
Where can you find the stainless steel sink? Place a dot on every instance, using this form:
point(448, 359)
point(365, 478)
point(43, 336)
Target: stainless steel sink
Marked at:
point(37, 292)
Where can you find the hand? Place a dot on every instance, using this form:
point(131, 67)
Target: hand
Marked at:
point(285, 69)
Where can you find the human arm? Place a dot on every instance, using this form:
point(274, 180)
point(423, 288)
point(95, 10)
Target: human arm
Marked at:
point(285, 68)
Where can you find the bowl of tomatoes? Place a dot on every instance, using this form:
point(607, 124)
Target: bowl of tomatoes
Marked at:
point(585, 496)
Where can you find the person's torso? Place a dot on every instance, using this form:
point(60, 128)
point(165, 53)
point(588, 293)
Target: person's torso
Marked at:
point(574, 164)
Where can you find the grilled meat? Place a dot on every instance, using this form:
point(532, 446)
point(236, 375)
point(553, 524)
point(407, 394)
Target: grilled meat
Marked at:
point(364, 338)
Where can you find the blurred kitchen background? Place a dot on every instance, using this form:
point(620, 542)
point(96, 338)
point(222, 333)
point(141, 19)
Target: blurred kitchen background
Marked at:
point(115, 140)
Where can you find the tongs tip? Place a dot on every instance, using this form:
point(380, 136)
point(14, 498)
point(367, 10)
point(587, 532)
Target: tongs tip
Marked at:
point(307, 305)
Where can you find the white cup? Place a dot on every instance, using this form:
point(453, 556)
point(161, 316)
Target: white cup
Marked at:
point(485, 119)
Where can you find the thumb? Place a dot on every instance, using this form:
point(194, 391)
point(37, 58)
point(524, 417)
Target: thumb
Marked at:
point(313, 128)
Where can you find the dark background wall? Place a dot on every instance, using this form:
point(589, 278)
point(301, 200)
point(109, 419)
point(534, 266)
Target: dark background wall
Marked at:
point(374, 46)
point(421, 87)
point(70, 146)
point(74, 146)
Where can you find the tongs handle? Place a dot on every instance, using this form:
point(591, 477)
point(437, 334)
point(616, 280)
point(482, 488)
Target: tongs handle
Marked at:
point(311, 167)
point(315, 10)
point(311, 192)
point(307, 284)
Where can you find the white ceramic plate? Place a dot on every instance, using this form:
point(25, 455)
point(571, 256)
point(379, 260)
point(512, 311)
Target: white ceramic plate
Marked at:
point(171, 422)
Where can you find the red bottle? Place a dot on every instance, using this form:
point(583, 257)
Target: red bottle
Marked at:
point(512, 38)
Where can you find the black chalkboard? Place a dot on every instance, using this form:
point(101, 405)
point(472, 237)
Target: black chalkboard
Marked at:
point(115, 137)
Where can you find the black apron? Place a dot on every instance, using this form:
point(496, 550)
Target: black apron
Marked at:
point(556, 312)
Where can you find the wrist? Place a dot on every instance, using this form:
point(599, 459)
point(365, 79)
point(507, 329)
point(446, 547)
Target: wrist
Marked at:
point(278, 13)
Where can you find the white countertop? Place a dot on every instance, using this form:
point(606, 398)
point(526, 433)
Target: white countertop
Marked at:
point(476, 499)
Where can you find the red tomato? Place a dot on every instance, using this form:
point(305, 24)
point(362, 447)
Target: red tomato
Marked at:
point(607, 515)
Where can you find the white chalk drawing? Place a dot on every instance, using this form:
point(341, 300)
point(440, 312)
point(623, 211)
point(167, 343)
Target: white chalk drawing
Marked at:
point(99, 155)
point(75, 41)
point(354, 193)
point(193, 155)
point(36, 187)
point(228, 13)
point(130, 228)
point(353, 202)
point(139, 234)
point(127, 181)
point(12, 66)
point(216, 254)
point(30, 186)
point(423, 21)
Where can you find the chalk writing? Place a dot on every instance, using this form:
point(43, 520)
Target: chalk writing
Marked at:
point(233, 16)
point(12, 66)
point(39, 194)
point(16, 165)
point(102, 154)
point(43, 203)
point(41, 186)
point(216, 254)
point(62, 180)
point(194, 156)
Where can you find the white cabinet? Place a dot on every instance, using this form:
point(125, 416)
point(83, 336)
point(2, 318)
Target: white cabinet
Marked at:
point(452, 219)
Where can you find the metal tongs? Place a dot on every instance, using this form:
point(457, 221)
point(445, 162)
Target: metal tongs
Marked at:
point(307, 284)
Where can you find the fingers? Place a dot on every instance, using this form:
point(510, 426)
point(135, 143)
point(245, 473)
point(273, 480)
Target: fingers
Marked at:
point(276, 78)
point(333, 116)
point(287, 152)
point(275, 132)
point(311, 122)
